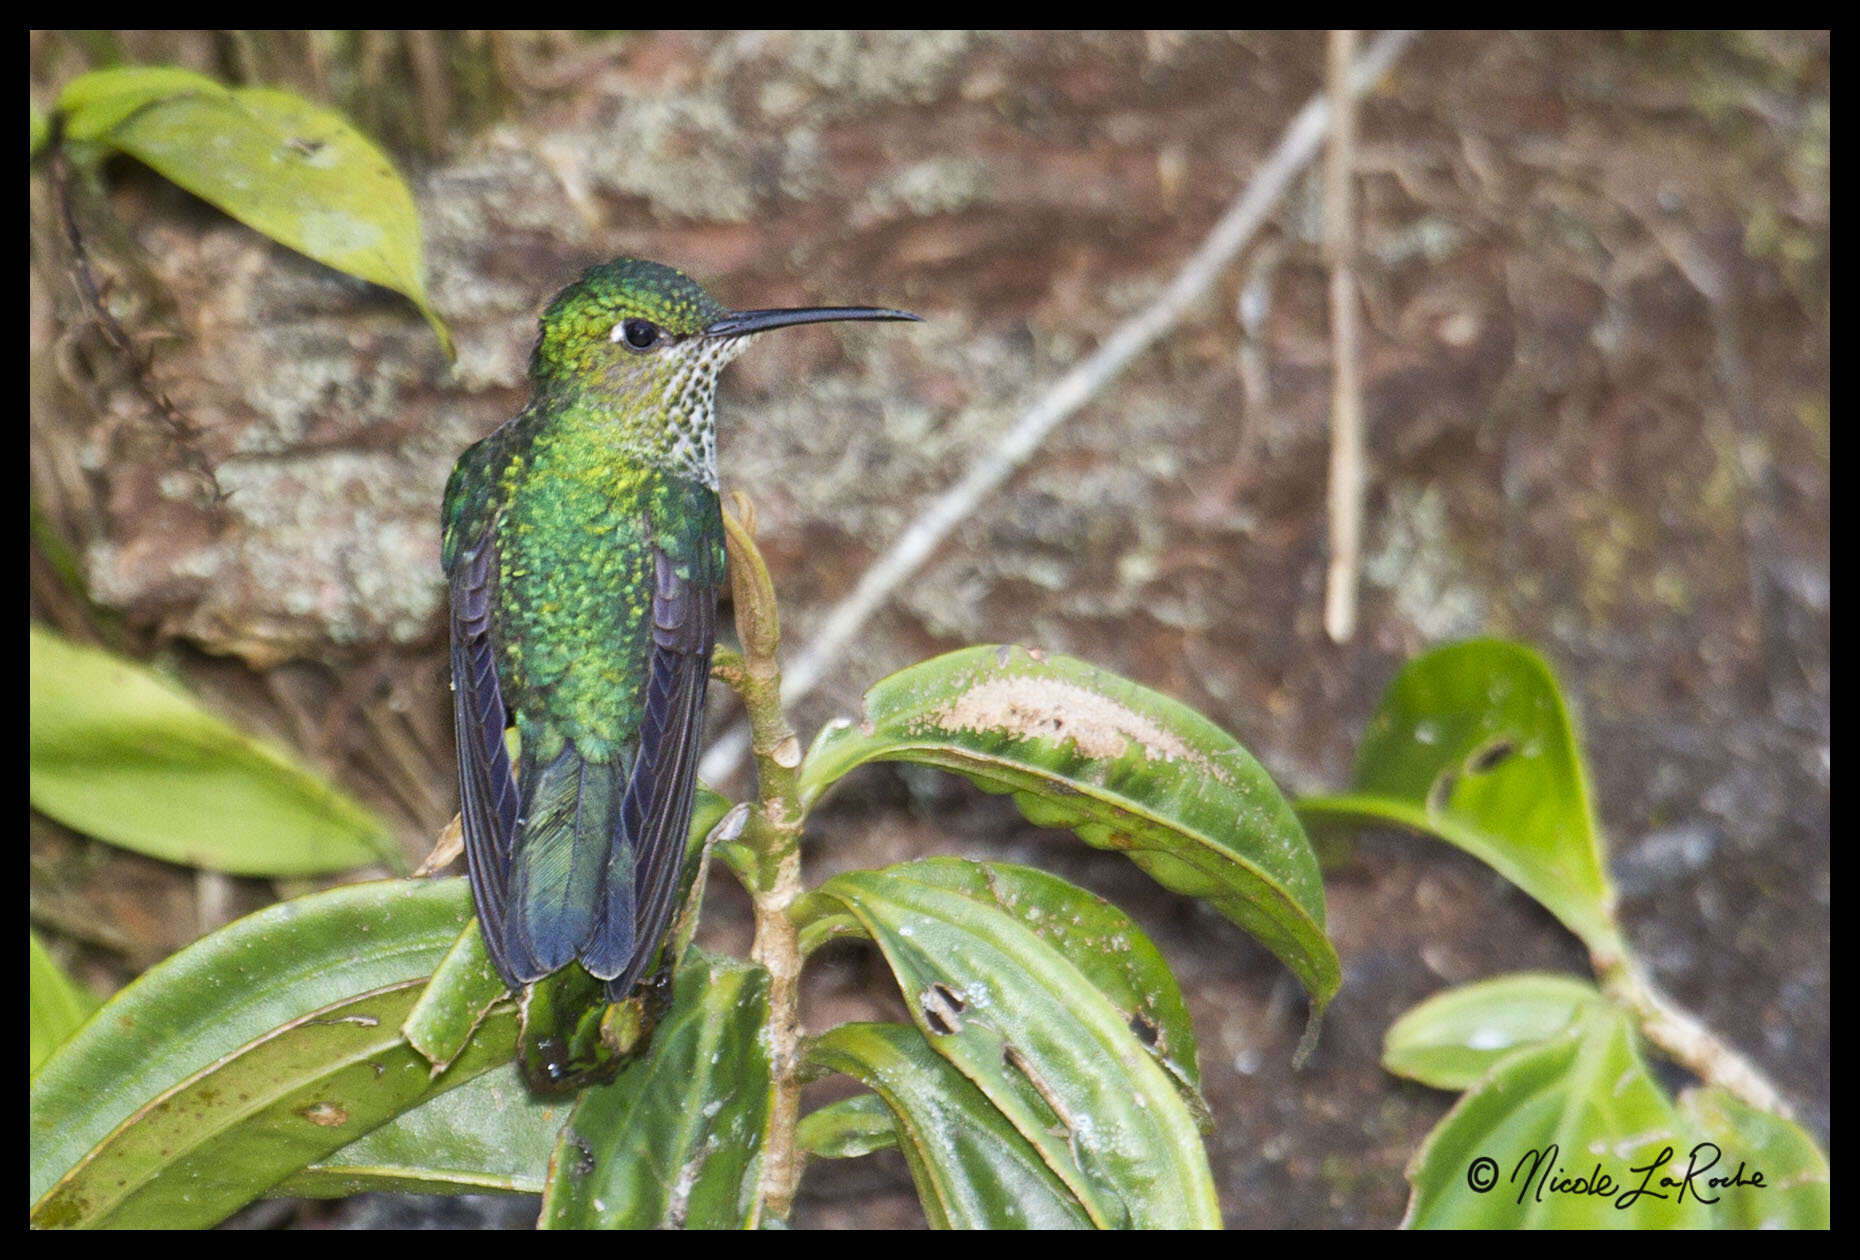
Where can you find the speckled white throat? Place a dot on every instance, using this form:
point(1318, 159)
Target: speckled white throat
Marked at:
point(688, 403)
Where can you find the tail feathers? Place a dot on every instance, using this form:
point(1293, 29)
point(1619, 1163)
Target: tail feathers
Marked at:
point(570, 847)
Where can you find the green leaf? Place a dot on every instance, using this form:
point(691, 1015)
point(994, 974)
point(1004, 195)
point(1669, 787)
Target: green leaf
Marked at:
point(1796, 1193)
point(95, 104)
point(1110, 950)
point(1454, 1038)
point(58, 1005)
point(677, 1139)
point(972, 1169)
point(1054, 1055)
point(851, 1127)
point(119, 753)
point(490, 1135)
point(1125, 768)
point(1581, 1105)
point(1473, 744)
point(229, 1035)
point(287, 168)
point(203, 1150)
point(458, 997)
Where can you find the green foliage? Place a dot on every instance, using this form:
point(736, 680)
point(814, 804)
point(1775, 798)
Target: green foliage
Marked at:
point(979, 954)
point(57, 1005)
point(677, 1141)
point(972, 1168)
point(287, 168)
point(1473, 744)
point(1454, 1038)
point(1049, 1076)
point(1561, 1120)
point(118, 752)
point(200, 1085)
point(1125, 768)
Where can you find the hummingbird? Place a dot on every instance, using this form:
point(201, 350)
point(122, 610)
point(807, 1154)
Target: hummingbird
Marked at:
point(583, 547)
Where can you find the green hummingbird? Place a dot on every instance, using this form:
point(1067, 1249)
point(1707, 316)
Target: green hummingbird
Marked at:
point(583, 547)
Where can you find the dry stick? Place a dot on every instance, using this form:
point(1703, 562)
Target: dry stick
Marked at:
point(989, 469)
point(1346, 399)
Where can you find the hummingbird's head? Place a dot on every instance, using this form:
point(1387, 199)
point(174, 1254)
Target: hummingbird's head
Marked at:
point(649, 340)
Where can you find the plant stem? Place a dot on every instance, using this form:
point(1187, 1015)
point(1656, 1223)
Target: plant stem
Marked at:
point(773, 835)
point(1689, 1042)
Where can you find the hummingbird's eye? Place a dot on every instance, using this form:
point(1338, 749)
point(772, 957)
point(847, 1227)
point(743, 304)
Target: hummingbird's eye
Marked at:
point(639, 334)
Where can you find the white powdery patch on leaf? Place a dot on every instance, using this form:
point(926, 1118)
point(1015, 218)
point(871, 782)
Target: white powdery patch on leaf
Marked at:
point(1045, 708)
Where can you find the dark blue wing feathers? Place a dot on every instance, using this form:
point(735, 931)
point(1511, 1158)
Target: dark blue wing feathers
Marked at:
point(626, 854)
point(656, 810)
point(487, 790)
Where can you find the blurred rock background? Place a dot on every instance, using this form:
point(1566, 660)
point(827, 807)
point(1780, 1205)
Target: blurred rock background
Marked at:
point(1596, 365)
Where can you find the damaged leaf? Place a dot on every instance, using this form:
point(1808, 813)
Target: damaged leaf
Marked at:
point(1473, 744)
point(971, 1168)
point(1051, 1052)
point(1123, 767)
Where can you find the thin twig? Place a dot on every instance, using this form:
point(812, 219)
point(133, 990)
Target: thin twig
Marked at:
point(993, 466)
point(1346, 398)
point(182, 432)
point(1691, 1043)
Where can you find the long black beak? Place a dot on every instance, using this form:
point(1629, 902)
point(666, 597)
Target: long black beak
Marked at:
point(742, 323)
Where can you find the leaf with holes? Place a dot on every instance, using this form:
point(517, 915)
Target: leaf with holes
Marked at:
point(1125, 768)
point(971, 1168)
point(677, 1139)
point(1051, 1052)
point(1473, 744)
point(1109, 949)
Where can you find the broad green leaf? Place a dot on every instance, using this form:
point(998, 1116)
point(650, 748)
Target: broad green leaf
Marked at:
point(199, 1152)
point(461, 993)
point(58, 1005)
point(1055, 1056)
point(229, 990)
point(95, 104)
point(490, 1135)
point(972, 1169)
point(1796, 1191)
point(677, 1139)
point(1125, 768)
point(850, 1127)
point(1110, 950)
point(1472, 743)
point(1454, 1038)
point(287, 168)
point(119, 753)
point(1567, 1112)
